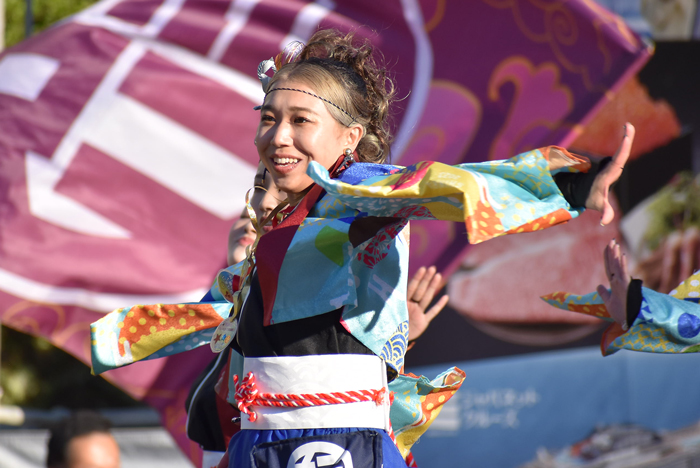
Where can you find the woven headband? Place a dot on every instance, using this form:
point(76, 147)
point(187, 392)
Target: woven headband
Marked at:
point(316, 96)
point(269, 65)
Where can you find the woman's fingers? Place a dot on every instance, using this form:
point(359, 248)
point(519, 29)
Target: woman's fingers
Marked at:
point(598, 198)
point(606, 258)
point(430, 291)
point(615, 298)
point(623, 151)
point(617, 260)
point(622, 267)
point(413, 284)
point(437, 308)
point(425, 290)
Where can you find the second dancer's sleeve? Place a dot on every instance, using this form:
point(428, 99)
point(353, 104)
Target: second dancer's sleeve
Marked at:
point(661, 323)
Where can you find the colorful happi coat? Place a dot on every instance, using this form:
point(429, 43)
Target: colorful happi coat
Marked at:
point(324, 268)
point(665, 323)
point(347, 253)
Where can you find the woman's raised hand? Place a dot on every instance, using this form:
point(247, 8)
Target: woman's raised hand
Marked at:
point(598, 197)
point(420, 293)
point(616, 270)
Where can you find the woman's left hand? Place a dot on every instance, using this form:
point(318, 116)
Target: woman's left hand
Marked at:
point(598, 197)
point(420, 293)
point(616, 270)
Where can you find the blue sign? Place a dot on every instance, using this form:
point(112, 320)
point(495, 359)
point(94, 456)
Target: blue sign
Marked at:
point(508, 408)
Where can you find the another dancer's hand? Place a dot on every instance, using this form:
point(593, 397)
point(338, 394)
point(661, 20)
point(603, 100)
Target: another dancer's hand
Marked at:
point(673, 261)
point(421, 291)
point(598, 197)
point(619, 279)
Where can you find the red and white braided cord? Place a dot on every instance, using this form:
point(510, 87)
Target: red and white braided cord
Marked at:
point(410, 461)
point(248, 394)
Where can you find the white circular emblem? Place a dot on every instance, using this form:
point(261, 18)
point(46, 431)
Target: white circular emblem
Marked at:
point(320, 455)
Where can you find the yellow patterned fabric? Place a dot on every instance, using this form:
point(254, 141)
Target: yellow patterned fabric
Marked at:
point(417, 402)
point(141, 332)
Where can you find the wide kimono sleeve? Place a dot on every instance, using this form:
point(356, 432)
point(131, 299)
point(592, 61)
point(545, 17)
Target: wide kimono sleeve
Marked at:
point(665, 323)
point(143, 332)
point(417, 402)
point(492, 198)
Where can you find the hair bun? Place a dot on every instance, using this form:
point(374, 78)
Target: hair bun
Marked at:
point(367, 89)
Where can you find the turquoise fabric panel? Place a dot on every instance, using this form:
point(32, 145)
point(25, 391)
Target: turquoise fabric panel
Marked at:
point(320, 250)
point(665, 324)
point(381, 320)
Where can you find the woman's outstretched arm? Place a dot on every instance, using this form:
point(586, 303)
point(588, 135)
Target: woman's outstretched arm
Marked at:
point(493, 198)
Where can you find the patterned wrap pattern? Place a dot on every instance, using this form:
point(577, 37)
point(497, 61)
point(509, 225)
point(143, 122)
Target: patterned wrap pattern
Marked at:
point(665, 324)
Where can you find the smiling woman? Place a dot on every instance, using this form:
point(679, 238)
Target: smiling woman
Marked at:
point(318, 309)
point(329, 101)
point(295, 129)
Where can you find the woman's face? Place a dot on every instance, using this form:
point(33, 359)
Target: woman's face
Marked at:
point(266, 196)
point(295, 129)
point(240, 236)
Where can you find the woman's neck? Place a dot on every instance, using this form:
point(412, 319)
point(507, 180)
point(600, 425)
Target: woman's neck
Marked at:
point(295, 197)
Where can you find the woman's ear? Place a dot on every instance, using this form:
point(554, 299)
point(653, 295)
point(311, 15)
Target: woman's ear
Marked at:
point(354, 135)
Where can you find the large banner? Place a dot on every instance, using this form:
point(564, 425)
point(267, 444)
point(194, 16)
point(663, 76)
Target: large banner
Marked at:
point(127, 138)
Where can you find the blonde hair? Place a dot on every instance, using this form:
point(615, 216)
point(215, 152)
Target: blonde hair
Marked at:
point(348, 76)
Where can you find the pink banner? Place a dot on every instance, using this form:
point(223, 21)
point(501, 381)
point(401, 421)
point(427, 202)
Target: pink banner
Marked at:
point(127, 142)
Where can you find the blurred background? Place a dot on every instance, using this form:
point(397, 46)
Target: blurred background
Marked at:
point(126, 131)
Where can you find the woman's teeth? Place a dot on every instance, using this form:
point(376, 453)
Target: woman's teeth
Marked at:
point(284, 161)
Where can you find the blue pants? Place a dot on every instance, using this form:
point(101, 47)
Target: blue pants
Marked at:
point(314, 448)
